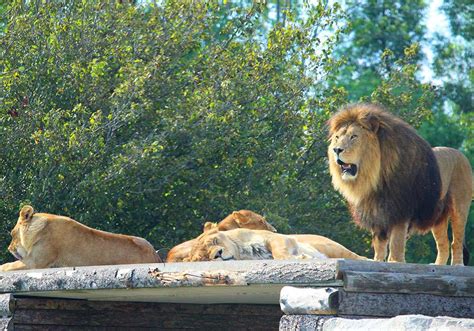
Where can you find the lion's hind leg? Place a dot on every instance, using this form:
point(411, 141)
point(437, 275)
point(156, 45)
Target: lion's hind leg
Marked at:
point(460, 190)
point(283, 248)
point(440, 234)
point(286, 248)
point(458, 224)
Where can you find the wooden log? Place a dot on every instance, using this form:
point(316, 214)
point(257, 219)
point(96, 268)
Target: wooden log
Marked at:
point(320, 301)
point(386, 282)
point(228, 273)
point(147, 307)
point(343, 266)
point(136, 319)
point(86, 314)
point(389, 305)
point(39, 327)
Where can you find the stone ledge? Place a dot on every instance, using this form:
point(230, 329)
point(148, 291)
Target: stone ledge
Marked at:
point(399, 323)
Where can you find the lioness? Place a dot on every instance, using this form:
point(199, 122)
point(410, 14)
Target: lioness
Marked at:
point(328, 247)
point(238, 219)
point(244, 244)
point(42, 240)
point(241, 219)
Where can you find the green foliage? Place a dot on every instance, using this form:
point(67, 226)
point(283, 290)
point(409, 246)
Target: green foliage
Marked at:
point(401, 92)
point(443, 130)
point(380, 33)
point(460, 15)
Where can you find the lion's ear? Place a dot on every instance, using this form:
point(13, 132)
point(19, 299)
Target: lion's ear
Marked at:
point(373, 123)
point(26, 213)
point(209, 226)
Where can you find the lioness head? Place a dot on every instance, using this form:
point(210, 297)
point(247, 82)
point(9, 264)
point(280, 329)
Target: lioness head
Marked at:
point(245, 219)
point(22, 234)
point(213, 245)
point(354, 151)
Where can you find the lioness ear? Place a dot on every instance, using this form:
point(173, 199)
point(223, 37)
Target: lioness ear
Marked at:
point(209, 226)
point(26, 213)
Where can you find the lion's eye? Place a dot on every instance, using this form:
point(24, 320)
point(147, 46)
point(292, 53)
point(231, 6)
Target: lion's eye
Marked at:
point(353, 136)
point(337, 137)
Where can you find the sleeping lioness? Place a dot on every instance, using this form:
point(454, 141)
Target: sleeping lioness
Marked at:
point(244, 244)
point(238, 219)
point(43, 241)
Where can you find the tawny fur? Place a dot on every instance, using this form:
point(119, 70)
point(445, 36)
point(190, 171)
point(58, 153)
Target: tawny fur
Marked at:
point(398, 186)
point(238, 219)
point(326, 246)
point(244, 244)
point(457, 183)
point(46, 240)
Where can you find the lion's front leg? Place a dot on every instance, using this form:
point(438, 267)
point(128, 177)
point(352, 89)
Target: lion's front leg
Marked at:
point(398, 239)
point(380, 242)
point(17, 265)
point(283, 248)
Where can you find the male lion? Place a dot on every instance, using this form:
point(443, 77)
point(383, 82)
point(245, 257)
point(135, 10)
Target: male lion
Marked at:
point(391, 179)
point(44, 240)
point(245, 244)
point(238, 219)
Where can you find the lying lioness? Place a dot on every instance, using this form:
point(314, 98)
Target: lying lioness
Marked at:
point(44, 240)
point(238, 219)
point(244, 244)
point(241, 219)
point(326, 246)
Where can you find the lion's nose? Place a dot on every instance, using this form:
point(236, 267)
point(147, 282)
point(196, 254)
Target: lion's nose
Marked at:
point(218, 254)
point(338, 150)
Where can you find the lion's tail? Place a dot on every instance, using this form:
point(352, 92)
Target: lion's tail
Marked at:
point(465, 254)
point(161, 254)
point(472, 191)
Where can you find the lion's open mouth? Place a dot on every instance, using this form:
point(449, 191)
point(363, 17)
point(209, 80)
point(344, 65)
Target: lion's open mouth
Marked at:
point(347, 168)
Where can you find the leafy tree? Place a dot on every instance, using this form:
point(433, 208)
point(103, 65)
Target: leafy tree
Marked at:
point(149, 120)
point(379, 29)
point(453, 68)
